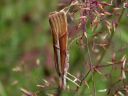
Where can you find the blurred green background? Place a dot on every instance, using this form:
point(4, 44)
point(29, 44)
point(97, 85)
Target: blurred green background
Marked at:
point(26, 55)
point(25, 43)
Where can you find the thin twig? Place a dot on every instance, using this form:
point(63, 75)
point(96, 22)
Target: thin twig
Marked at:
point(85, 77)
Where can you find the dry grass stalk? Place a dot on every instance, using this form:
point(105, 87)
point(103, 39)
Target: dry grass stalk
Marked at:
point(27, 93)
point(58, 23)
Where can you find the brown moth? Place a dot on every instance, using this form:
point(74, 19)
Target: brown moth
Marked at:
point(58, 23)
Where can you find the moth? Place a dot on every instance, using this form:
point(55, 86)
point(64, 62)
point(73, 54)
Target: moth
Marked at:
point(59, 30)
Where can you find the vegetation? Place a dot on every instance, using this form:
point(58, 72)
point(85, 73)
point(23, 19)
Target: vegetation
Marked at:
point(97, 46)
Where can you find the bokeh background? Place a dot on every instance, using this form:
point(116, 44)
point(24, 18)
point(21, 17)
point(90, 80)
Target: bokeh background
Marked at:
point(26, 54)
point(25, 44)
